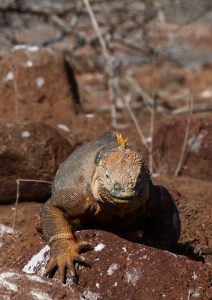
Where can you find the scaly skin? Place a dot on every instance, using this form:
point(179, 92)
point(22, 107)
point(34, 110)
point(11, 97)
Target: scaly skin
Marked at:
point(105, 184)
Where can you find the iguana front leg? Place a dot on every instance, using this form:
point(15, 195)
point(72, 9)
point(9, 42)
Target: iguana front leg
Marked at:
point(64, 249)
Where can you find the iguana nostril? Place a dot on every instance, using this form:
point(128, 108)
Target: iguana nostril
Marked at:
point(117, 187)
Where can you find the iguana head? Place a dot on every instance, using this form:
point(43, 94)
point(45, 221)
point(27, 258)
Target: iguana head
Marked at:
point(121, 176)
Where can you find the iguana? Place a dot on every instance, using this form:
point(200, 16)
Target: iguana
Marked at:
point(105, 184)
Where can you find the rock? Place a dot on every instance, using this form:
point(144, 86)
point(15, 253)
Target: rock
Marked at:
point(37, 84)
point(125, 270)
point(160, 272)
point(16, 285)
point(168, 141)
point(29, 151)
point(193, 199)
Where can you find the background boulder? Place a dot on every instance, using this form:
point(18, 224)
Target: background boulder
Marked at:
point(37, 84)
point(29, 151)
point(168, 142)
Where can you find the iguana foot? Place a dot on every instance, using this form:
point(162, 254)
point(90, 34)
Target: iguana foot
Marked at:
point(64, 254)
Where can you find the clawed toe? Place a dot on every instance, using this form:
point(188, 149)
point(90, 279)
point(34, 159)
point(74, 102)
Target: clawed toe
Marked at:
point(83, 247)
point(51, 267)
point(81, 260)
point(64, 256)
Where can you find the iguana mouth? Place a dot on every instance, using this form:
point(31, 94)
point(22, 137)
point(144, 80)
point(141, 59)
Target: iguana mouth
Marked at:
point(124, 197)
point(120, 200)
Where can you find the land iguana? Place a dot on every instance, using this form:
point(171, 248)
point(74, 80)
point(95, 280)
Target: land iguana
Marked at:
point(105, 184)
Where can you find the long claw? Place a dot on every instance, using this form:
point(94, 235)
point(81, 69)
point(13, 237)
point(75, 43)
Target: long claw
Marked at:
point(81, 260)
point(83, 246)
point(72, 270)
point(61, 272)
point(74, 275)
point(50, 267)
point(87, 263)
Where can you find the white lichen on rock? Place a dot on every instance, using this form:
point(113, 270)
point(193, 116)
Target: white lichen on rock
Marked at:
point(63, 127)
point(11, 282)
point(195, 143)
point(99, 247)
point(38, 262)
point(39, 295)
point(25, 134)
point(193, 294)
point(194, 275)
point(132, 276)
point(26, 47)
point(4, 229)
point(40, 82)
point(4, 283)
point(9, 76)
point(112, 268)
point(28, 64)
point(87, 294)
point(124, 249)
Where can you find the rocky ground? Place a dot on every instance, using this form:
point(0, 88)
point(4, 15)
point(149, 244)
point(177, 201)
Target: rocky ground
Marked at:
point(51, 102)
point(120, 268)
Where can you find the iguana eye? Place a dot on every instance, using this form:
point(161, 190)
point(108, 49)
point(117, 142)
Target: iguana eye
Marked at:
point(108, 177)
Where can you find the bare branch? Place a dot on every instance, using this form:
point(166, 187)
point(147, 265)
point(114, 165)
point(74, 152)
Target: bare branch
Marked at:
point(182, 110)
point(135, 86)
point(97, 30)
point(152, 127)
point(17, 96)
point(135, 121)
point(134, 106)
point(126, 100)
point(184, 147)
point(109, 67)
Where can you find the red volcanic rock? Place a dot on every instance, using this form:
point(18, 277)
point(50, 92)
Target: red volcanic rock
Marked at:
point(193, 199)
point(119, 269)
point(37, 84)
point(125, 270)
point(29, 151)
point(16, 285)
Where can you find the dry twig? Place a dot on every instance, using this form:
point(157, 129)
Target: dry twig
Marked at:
point(109, 68)
point(184, 147)
point(18, 195)
point(17, 96)
point(126, 100)
point(146, 97)
point(135, 121)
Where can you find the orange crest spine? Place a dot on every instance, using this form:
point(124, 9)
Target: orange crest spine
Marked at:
point(121, 142)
